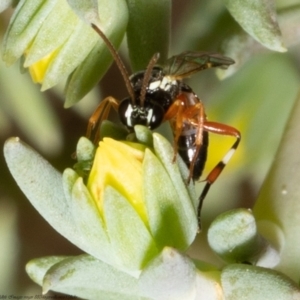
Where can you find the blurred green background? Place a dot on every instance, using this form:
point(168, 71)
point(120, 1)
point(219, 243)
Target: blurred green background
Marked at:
point(257, 100)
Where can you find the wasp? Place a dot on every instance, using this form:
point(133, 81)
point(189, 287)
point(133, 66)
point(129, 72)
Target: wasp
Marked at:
point(158, 94)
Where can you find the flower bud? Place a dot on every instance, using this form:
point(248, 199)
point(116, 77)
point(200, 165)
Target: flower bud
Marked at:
point(58, 46)
point(142, 201)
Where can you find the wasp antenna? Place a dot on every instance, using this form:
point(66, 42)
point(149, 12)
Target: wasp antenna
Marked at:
point(118, 61)
point(147, 77)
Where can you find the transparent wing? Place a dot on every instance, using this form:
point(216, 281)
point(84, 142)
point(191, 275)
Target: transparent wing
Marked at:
point(188, 63)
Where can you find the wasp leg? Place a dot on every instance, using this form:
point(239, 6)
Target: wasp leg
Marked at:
point(100, 114)
point(175, 115)
point(195, 116)
point(222, 129)
point(182, 112)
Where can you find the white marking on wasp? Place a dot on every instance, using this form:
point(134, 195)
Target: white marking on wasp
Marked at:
point(165, 84)
point(154, 85)
point(191, 153)
point(149, 116)
point(228, 156)
point(128, 115)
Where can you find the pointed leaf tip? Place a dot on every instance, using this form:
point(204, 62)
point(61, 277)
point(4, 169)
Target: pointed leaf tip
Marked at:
point(258, 18)
point(86, 10)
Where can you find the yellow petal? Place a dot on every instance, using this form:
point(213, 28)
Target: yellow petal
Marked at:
point(39, 69)
point(118, 165)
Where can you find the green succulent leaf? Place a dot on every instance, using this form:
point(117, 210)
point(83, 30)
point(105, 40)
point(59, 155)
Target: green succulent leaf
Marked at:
point(258, 19)
point(85, 150)
point(171, 275)
point(69, 178)
point(278, 201)
point(245, 282)
point(112, 18)
point(85, 153)
point(242, 47)
point(234, 236)
point(41, 184)
point(83, 276)
point(208, 281)
point(131, 243)
point(164, 152)
point(144, 135)
point(89, 223)
point(113, 130)
point(70, 54)
point(35, 118)
point(23, 27)
point(148, 31)
point(38, 267)
point(164, 206)
point(53, 197)
point(50, 36)
point(86, 10)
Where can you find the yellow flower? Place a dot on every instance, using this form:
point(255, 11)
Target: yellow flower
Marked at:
point(135, 202)
point(118, 165)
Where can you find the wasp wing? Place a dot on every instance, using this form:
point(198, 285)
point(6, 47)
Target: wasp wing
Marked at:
point(188, 63)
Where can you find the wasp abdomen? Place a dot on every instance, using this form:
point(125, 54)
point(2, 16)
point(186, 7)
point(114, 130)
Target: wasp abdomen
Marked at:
point(187, 150)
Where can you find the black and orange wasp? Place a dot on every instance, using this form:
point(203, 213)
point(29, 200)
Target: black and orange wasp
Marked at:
point(158, 94)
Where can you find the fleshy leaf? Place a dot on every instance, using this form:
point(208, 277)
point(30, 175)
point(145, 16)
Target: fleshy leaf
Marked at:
point(171, 275)
point(89, 223)
point(42, 185)
point(39, 181)
point(131, 241)
point(38, 267)
point(245, 282)
point(208, 282)
point(233, 235)
point(278, 201)
point(29, 109)
point(113, 130)
point(148, 31)
point(242, 47)
point(166, 214)
point(50, 36)
point(86, 10)
point(22, 30)
point(113, 15)
point(85, 149)
point(70, 55)
point(144, 135)
point(258, 18)
point(164, 152)
point(89, 278)
point(85, 153)
point(69, 178)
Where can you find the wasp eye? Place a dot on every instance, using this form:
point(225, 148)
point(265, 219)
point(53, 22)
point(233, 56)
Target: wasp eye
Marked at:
point(125, 111)
point(156, 117)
